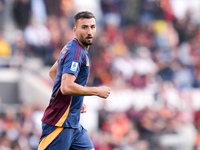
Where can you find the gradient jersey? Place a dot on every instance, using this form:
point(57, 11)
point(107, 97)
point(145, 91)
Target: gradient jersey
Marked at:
point(64, 110)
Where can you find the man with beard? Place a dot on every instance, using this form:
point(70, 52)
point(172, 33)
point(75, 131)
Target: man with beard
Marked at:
point(60, 123)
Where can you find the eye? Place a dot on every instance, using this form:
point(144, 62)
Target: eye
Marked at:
point(93, 27)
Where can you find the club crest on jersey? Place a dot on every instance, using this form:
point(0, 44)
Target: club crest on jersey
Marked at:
point(74, 66)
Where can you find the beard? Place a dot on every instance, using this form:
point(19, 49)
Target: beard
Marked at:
point(86, 41)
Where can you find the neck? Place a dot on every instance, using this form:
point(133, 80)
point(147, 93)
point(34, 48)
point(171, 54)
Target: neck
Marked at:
point(82, 45)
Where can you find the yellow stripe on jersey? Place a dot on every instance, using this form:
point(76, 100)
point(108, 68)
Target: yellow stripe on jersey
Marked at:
point(49, 138)
point(63, 118)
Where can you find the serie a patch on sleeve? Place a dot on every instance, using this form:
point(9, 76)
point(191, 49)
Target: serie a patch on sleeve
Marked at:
point(74, 66)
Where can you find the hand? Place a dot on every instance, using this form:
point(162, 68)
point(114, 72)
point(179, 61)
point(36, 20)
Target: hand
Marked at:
point(103, 91)
point(83, 108)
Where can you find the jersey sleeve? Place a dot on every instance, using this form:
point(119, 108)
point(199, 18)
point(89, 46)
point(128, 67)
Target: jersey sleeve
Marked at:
point(72, 60)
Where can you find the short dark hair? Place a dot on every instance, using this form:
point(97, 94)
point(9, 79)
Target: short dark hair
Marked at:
point(83, 15)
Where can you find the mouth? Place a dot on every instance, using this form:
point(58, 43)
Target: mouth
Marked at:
point(89, 37)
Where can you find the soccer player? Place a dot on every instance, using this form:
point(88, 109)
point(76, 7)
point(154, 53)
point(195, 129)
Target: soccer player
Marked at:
point(61, 129)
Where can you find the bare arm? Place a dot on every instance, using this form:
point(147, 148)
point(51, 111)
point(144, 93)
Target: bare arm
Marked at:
point(69, 87)
point(53, 71)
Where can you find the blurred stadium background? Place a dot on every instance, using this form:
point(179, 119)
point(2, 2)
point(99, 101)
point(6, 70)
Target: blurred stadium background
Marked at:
point(147, 51)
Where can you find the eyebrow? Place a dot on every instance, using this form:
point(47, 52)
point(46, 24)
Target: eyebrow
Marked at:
point(84, 25)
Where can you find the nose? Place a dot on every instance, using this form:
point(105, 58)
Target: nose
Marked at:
point(89, 31)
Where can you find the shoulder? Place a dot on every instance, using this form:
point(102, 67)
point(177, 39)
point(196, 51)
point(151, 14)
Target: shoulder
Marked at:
point(67, 46)
point(73, 50)
point(70, 46)
point(76, 50)
point(67, 49)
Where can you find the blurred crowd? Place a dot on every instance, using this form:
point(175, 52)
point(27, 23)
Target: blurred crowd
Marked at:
point(140, 44)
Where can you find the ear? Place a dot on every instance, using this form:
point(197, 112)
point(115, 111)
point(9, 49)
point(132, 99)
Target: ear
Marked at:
point(74, 29)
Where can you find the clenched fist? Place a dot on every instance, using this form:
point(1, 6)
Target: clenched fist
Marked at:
point(103, 91)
